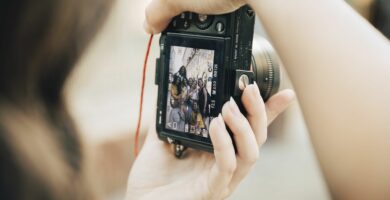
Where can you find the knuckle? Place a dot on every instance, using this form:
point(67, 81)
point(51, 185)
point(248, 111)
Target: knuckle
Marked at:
point(251, 159)
point(230, 169)
point(223, 146)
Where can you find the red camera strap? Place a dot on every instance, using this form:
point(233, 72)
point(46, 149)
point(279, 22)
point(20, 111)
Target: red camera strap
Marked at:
point(136, 140)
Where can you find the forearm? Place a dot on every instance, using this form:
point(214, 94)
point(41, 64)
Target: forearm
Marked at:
point(340, 67)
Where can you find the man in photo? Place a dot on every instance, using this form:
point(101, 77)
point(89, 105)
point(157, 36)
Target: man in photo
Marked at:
point(204, 100)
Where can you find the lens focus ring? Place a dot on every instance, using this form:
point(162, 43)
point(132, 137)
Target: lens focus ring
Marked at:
point(265, 66)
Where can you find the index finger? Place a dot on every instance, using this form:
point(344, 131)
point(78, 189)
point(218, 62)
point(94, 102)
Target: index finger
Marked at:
point(158, 15)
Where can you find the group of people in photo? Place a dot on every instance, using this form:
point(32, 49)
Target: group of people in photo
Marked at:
point(190, 103)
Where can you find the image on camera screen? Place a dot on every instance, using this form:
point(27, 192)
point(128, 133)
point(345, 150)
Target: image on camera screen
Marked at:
point(189, 86)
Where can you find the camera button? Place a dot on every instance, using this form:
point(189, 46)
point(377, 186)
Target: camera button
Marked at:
point(220, 27)
point(243, 81)
point(203, 21)
point(202, 18)
point(186, 24)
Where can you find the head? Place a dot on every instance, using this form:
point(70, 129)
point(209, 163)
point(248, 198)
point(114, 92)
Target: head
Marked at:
point(200, 82)
point(195, 106)
point(183, 71)
point(194, 84)
point(174, 103)
point(40, 152)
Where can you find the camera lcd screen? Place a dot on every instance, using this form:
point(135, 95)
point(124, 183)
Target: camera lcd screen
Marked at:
point(189, 86)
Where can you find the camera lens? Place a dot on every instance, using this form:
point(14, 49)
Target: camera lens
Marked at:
point(265, 65)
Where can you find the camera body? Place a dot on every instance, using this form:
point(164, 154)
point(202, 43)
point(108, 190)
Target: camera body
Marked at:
point(202, 60)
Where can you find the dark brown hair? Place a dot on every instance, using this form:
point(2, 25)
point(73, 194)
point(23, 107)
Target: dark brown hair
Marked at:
point(40, 42)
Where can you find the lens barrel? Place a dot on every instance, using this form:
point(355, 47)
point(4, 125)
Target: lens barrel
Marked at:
point(265, 66)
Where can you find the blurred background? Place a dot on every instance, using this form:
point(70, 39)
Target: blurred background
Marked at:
point(103, 96)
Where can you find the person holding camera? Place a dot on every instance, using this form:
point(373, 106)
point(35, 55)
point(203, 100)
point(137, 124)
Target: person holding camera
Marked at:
point(340, 70)
point(340, 67)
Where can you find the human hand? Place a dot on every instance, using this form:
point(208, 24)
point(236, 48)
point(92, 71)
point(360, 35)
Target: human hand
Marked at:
point(158, 174)
point(159, 13)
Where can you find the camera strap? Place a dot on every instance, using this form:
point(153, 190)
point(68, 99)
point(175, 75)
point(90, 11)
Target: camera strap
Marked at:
point(136, 140)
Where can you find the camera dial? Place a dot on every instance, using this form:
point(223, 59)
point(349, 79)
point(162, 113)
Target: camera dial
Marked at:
point(203, 21)
point(202, 18)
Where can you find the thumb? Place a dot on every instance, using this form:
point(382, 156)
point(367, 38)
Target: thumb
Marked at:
point(278, 103)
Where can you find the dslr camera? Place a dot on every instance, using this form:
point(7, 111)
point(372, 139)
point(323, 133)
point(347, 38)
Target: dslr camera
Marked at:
point(204, 60)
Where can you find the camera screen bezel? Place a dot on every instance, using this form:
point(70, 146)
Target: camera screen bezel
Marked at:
point(201, 42)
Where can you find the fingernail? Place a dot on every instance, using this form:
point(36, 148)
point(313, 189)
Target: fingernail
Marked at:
point(233, 106)
point(255, 91)
point(220, 120)
point(256, 86)
point(252, 88)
